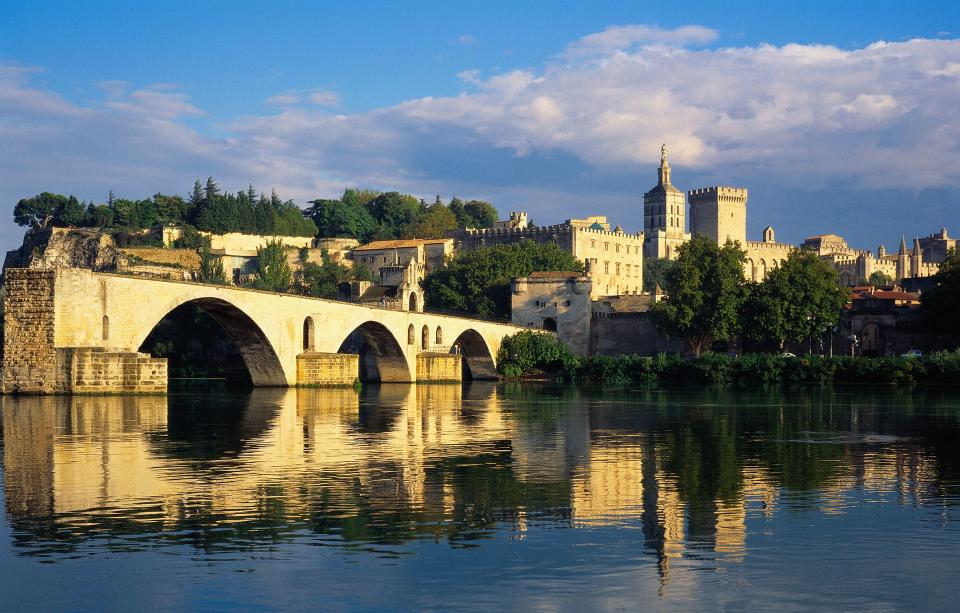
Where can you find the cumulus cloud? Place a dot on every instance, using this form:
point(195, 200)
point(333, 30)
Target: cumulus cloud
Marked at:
point(467, 40)
point(584, 128)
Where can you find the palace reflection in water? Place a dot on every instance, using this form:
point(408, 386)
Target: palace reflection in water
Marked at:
point(689, 475)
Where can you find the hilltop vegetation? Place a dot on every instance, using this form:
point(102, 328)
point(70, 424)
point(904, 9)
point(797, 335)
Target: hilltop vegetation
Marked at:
point(361, 214)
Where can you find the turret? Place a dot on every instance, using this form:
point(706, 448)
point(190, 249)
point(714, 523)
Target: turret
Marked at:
point(768, 235)
point(881, 252)
point(664, 170)
point(903, 264)
point(916, 258)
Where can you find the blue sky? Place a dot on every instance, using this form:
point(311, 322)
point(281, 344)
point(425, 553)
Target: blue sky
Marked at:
point(555, 108)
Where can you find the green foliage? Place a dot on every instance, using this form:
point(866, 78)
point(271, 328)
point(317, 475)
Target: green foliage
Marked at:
point(528, 353)
point(473, 214)
point(880, 279)
point(46, 208)
point(211, 266)
point(799, 300)
point(191, 239)
point(362, 273)
point(273, 272)
point(393, 212)
point(434, 222)
point(322, 280)
point(705, 291)
point(655, 272)
point(766, 369)
point(341, 218)
point(939, 304)
point(478, 281)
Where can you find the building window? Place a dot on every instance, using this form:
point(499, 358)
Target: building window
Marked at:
point(425, 338)
point(439, 336)
point(106, 328)
point(618, 268)
point(593, 243)
point(606, 268)
point(411, 335)
point(618, 247)
point(566, 303)
point(606, 246)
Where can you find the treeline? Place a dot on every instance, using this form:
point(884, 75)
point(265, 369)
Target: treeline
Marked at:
point(207, 209)
point(538, 355)
point(369, 215)
point(365, 215)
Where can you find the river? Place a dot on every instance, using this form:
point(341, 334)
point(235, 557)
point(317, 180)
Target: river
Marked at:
point(485, 496)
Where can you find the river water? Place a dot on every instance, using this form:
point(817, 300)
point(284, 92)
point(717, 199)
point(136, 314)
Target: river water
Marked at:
point(485, 496)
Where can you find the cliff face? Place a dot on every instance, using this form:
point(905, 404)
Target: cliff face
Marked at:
point(53, 248)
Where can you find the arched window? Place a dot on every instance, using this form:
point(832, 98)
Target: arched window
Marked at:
point(439, 340)
point(308, 334)
point(413, 301)
point(550, 324)
point(106, 328)
point(425, 338)
point(411, 335)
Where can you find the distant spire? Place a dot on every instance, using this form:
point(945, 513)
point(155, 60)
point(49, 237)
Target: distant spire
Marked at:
point(903, 245)
point(664, 171)
point(916, 246)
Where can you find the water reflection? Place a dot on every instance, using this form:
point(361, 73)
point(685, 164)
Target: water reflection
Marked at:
point(692, 474)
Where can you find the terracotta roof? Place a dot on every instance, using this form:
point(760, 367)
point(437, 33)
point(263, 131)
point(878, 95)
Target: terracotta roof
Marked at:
point(555, 274)
point(400, 244)
point(885, 295)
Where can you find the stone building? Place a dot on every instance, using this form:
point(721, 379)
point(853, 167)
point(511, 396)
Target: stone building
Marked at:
point(855, 266)
point(664, 215)
point(558, 301)
point(431, 253)
point(884, 323)
point(613, 259)
point(561, 301)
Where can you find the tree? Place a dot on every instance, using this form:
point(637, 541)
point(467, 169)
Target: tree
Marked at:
point(478, 281)
point(482, 214)
point(473, 214)
point(394, 212)
point(880, 279)
point(273, 272)
point(211, 191)
point(939, 303)
point(705, 291)
point(335, 218)
point(799, 300)
point(211, 267)
point(39, 210)
point(655, 272)
point(323, 279)
point(435, 222)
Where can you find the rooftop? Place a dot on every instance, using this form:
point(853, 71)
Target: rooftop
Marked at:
point(401, 244)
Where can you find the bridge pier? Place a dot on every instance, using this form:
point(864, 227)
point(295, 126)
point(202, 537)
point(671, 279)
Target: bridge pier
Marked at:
point(439, 367)
point(322, 369)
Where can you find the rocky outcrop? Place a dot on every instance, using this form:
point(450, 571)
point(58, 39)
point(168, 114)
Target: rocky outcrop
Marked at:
point(53, 248)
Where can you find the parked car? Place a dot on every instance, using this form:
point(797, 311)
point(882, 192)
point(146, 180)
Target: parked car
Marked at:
point(913, 353)
point(787, 354)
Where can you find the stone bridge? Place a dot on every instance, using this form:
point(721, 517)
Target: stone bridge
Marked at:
point(75, 331)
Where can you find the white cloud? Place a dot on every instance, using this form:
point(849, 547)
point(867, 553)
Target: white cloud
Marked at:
point(467, 40)
point(623, 38)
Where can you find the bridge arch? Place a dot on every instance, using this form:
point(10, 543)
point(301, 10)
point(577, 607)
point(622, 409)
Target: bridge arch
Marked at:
point(259, 356)
point(381, 355)
point(477, 360)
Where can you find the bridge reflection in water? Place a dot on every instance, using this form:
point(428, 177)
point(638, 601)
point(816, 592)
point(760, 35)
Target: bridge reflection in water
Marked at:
point(392, 464)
